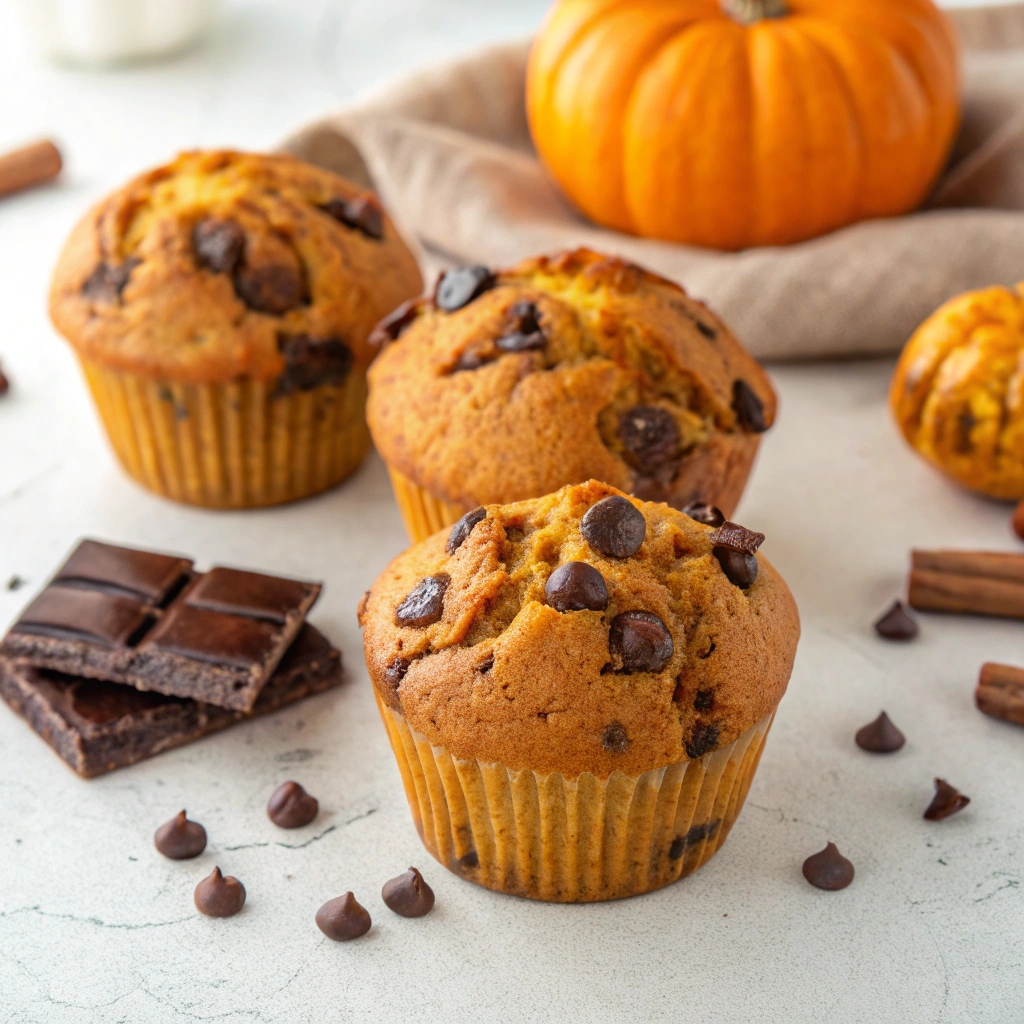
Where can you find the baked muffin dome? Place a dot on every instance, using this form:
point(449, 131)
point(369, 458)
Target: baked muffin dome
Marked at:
point(581, 632)
point(508, 385)
point(224, 264)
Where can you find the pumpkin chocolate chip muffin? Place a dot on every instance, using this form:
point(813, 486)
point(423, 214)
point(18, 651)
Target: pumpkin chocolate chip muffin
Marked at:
point(577, 688)
point(508, 385)
point(220, 307)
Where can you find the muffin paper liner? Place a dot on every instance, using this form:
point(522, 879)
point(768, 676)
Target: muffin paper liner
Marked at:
point(422, 513)
point(235, 445)
point(547, 837)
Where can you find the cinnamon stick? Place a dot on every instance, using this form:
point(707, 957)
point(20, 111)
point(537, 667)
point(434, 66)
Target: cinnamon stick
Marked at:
point(1000, 692)
point(975, 582)
point(31, 165)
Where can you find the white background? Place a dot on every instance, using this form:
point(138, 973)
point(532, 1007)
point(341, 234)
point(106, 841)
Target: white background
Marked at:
point(95, 926)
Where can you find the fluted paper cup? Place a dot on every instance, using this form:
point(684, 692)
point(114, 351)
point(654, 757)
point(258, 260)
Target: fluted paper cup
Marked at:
point(422, 513)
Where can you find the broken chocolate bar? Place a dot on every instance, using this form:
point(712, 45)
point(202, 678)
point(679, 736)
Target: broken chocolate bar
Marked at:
point(97, 726)
point(149, 620)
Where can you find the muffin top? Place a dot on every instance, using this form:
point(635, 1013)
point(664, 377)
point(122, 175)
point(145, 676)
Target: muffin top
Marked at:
point(224, 264)
point(507, 385)
point(582, 632)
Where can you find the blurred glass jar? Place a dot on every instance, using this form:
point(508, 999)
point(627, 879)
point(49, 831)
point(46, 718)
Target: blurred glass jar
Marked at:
point(114, 31)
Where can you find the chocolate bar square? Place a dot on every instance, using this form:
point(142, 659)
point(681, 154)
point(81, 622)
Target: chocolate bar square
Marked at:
point(97, 726)
point(151, 621)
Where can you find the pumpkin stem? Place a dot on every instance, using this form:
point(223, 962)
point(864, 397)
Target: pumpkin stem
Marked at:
point(746, 12)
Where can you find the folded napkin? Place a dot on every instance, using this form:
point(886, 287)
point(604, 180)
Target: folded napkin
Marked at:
point(449, 151)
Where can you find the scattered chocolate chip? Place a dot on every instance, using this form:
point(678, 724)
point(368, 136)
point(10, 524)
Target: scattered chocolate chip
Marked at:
point(641, 641)
point(408, 895)
point(290, 806)
point(734, 549)
point(1018, 521)
point(702, 739)
point(828, 869)
point(392, 326)
point(703, 700)
point(880, 736)
point(748, 407)
point(650, 436)
point(456, 288)
point(709, 515)
point(343, 919)
point(218, 243)
point(517, 341)
point(946, 802)
point(5, 384)
point(707, 330)
point(219, 895)
point(16, 582)
point(360, 213)
point(468, 861)
point(896, 624)
point(180, 839)
point(614, 739)
point(274, 288)
point(311, 362)
point(463, 528)
point(107, 281)
point(425, 603)
point(615, 527)
point(576, 586)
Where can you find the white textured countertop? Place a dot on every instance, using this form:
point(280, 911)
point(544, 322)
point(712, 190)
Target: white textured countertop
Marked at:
point(96, 926)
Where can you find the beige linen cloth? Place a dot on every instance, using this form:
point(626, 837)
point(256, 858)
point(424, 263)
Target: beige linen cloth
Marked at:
point(449, 152)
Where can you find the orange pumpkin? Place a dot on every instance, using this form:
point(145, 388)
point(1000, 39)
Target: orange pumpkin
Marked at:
point(734, 123)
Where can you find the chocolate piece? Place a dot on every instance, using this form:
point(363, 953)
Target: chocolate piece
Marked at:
point(393, 325)
point(896, 624)
point(273, 288)
point(290, 806)
point(734, 549)
point(145, 619)
point(470, 361)
point(703, 700)
point(702, 739)
point(343, 919)
point(16, 582)
point(180, 839)
point(218, 243)
point(311, 362)
point(697, 834)
point(707, 330)
point(946, 802)
point(614, 739)
point(394, 673)
point(615, 527)
point(650, 436)
point(880, 736)
point(107, 282)
point(468, 861)
point(738, 538)
point(709, 515)
point(219, 895)
point(828, 869)
point(517, 341)
point(640, 641)
point(576, 586)
point(748, 407)
point(408, 895)
point(98, 726)
point(425, 603)
point(361, 213)
point(457, 288)
point(463, 528)
point(526, 317)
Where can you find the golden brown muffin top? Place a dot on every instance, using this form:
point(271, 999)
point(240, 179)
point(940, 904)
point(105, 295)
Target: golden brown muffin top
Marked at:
point(224, 264)
point(581, 632)
point(508, 385)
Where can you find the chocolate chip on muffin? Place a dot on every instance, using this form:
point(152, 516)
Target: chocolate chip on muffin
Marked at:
point(650, 436)
point(218, 243)
point(576, 586)
point(734, 549)
point(392, 326)
point(615, 527)
point(463, 528)
point(275, 288)
point(457, 288)
point(748, 407)
point(615, 738)
point(703, 513)
point(702, 739)
point(361, 213)
point(106, 283)
point(312, 362)
point(640, 642)
point(425, 603)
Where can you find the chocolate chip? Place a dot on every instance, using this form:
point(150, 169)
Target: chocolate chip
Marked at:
point(615, 740)
point(290, 806)
point(828, 869)
point(896, 624)
point(519, 342)
point(703, 700)
point(702, 739)
point(697, 834)
point(880, 736)
point(615, 527)
point(395, 672)
point(526, 317)
point(425, 603)
point(468, 861)
point(16, 582)
point(487, 664)
point(734, 549)
point(748, 407)
point(650, 436)
point(408, 895)
point(274, 288)
point(180, 839)
point(738, 538)
point(392, 326)
point(218, 243)
point(576, 586)
point(947, 801)
point(470, 361)
point(456, 288)
point(709, 515)
point(311, 362)
point(707, 330)
point(107, 281)
point(463, 528)
point(219, 895)
point(360, 213)
point(640, 641)
point(343, 919)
